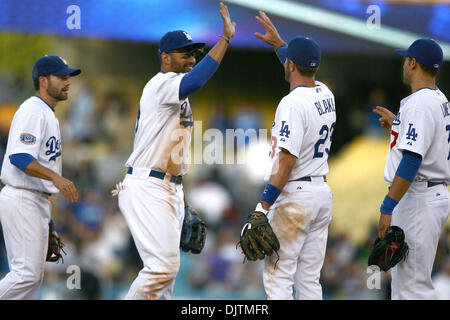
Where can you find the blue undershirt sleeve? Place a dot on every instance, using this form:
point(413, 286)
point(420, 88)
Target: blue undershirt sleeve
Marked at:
point(197, 77)
point(21, 160)
point(409, 165)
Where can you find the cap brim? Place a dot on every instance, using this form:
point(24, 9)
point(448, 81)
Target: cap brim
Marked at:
point(67, 71)
point(191, 47)
point(401, 52)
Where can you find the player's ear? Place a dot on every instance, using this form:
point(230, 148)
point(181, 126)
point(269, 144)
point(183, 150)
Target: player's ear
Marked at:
point(165, 58)
point(43, 82)
point(292, 67)
point(413, 63)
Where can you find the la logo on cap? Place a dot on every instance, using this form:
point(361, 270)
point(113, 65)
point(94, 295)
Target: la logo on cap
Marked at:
point(187, 35)
point(436, 65)
point(63, 60)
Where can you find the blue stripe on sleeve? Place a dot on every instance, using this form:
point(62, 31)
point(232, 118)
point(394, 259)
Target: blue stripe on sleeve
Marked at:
point(409, 165)
point(21, 160)
point(198, 76)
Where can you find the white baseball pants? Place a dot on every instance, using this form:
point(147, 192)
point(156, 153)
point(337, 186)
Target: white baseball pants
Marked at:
point(300, 219)
point(154, 211)
point(421, 213)
point(24, 216)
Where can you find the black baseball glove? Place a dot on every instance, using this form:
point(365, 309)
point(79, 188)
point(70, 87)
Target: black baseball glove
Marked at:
point(390, 250)
point(193, 233)
point(257, 237)
point(55, 246)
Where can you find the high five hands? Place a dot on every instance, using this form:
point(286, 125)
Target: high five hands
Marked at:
point(271, 36)
point(229, 28)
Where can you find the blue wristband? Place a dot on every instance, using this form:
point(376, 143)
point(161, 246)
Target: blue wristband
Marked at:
point(388, 205)
point(270, 194)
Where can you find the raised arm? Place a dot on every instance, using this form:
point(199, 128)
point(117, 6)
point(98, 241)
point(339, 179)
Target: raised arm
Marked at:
point(205, 69)
point(271, 37)
point(229, 28)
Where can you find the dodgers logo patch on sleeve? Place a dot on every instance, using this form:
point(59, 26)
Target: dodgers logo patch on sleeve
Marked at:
point(27, 138)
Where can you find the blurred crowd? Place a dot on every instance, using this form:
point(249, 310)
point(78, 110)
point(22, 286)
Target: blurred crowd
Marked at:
point(98, 134)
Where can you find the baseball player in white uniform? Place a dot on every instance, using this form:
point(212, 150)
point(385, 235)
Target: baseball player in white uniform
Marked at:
point(297, 198)
point(417, 170)
point(151, 197)
point(31, 172)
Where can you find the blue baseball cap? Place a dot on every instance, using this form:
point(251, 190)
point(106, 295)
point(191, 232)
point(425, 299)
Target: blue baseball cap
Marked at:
point(304, 51)
point(52, 65)
point(177, 39)
point(427, 51)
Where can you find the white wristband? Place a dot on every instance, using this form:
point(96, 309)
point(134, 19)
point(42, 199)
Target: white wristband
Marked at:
point(225, 38)
point(260, 208)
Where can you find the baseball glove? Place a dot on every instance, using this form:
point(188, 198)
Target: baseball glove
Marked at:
point(257, 237)
point(55, 246)
point(390, 250)
point(193, 233)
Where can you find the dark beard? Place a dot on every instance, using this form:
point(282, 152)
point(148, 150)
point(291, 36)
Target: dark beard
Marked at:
point(177, 68)
point(56, 95)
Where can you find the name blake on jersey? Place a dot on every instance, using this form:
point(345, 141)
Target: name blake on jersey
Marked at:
point(326, 106)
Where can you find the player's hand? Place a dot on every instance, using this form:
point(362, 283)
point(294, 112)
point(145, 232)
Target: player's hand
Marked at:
point(229, 28)
point(67, 188)
point(385, 222)
point(271, 37)
point(387, 117)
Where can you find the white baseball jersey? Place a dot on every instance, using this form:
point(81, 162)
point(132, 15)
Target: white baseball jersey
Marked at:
point(304, 124)
point(422, 125)
point(34, 130)
point(163, 127)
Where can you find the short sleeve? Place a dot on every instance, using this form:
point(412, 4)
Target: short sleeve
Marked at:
point(290, 128)
point(417, 131)
point(26, 133)
point(169, 90)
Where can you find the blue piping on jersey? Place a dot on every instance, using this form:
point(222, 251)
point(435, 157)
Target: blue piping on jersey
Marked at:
point(137, 120)
point(53, 109)
point(302, 86)
point(426, 88)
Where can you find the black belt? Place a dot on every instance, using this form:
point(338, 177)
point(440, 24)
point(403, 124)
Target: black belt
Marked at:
point(432, 184)
point(160, 175)
point(429, 184)
point(309, 179)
